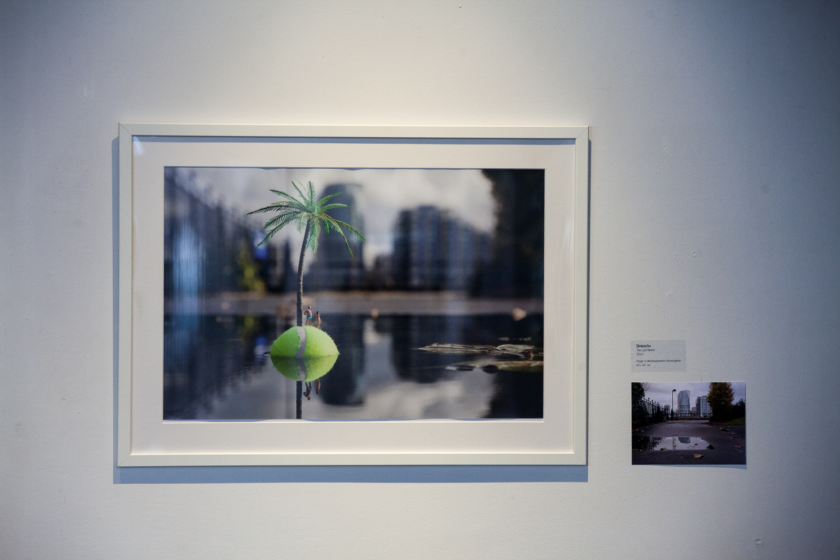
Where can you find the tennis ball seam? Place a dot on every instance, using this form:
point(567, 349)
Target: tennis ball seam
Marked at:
point(301, 343)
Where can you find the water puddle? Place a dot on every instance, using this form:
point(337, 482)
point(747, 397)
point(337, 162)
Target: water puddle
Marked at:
point(669, 443)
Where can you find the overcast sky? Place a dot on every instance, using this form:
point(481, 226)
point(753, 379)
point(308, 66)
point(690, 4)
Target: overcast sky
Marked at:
point(385, 192)
point(661, 392)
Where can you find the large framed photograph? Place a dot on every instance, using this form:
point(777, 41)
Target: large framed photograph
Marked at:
point(293, 295)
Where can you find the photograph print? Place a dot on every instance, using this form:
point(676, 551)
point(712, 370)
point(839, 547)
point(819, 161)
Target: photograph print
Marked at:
point(689, 423)
point(355, 294)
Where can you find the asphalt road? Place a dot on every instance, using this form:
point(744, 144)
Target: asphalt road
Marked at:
point(729, 443)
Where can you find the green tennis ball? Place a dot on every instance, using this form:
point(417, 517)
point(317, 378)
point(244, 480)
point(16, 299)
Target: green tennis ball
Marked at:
point(313, 368)
point(286, 344)
point(318, 344)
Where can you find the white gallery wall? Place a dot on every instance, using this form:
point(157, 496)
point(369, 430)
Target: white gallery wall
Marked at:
point(715, 219)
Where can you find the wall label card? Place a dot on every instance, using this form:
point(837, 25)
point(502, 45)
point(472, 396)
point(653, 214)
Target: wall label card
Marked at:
point(657, 355)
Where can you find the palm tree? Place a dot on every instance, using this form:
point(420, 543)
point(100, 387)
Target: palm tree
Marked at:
point(308, 216)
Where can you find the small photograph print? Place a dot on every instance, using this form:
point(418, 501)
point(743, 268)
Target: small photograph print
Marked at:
point(353, 294)
point(689, 423)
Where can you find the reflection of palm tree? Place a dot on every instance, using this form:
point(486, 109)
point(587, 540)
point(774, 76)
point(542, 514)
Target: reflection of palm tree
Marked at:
point(303, 371)
point(298, 400)
point(308, 216)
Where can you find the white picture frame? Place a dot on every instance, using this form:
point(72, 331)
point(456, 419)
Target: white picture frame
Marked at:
point(145, 439)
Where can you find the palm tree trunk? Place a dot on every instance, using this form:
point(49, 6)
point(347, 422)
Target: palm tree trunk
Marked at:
point(300, 276)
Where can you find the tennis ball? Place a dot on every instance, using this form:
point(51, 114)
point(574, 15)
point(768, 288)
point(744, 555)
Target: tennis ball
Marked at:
point(287, 344)
point(316, 343)
point(304, 369)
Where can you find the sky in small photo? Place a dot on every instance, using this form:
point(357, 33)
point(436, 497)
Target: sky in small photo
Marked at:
point(661, 392)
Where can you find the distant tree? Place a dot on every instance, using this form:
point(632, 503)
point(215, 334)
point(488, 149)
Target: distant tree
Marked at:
point(639, 412)
point(720, 400)
point(739, 410)
point(309, 216)
point(249, 272)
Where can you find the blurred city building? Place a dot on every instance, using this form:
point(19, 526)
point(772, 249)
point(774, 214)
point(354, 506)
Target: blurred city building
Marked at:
point(516, 268)
point(381, 276)
point(207, 248)
point(434, 250)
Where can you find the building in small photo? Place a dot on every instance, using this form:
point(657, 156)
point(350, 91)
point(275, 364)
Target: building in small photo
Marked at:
point(684, 401)
point(703, 408)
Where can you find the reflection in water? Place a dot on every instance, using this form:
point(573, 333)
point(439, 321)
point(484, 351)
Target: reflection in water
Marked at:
point(216, 368)
point(308, 392)
point(517, 395)
point(669, 443)
point(304, 370)
point(207, 358)
point(343, 387)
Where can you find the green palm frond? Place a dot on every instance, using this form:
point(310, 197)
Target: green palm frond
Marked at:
point(276, 207)
point(281, 220)
point(314, 234)
point(276, 227)
point(331, 206)
point(321, 202)
point(336, 224)
point(300, 192)
point(289, 198)
point(304, 211)
point(311, 194)
point(300, 222)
